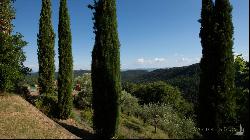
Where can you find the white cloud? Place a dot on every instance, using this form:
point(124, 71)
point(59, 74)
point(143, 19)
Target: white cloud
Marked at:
point(183, 60)
point(150, 61)
point(159, 59)
point(140, 60)
point(186, 60)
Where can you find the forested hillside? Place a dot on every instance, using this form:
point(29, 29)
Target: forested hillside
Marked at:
point(185, 78)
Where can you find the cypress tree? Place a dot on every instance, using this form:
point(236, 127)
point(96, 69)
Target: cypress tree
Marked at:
point(216, 102)
point(65, 74)
point(12, 70)
point(225, 86)
point(45, 42)
point(207, 75)
point(105, 70)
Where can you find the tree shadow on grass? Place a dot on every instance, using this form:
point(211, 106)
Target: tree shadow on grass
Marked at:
point(77, 131)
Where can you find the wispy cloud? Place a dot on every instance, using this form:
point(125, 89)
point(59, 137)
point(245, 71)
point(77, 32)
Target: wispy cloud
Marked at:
point(159, 59)
point(150, 61)
point(186, 60)
point(140, 60)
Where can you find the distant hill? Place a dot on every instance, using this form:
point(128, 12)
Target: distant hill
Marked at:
point(132, 75)
point(186, 78)
point(128, 75)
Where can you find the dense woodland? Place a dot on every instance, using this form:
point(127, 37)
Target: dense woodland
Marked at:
point(209, 99)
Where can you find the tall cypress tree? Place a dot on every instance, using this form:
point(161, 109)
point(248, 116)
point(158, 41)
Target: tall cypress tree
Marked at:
point(216, 102)
point(65, 75)
point(46, 43)
point(207, 75)
point(105, 69)
point(225, 86)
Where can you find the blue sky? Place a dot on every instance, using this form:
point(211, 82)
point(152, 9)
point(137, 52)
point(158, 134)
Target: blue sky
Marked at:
point(152, 33)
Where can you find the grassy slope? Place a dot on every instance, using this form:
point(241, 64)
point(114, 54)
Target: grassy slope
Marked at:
point(19, 119)
point(134, 128)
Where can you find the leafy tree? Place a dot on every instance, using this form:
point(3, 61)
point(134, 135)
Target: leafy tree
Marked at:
point(65, 74)
point(186, 78)
point(7, 14)
point(160, 92)
point(242, 92)
point(12, 69)
point(45, 42)
point(105, 69)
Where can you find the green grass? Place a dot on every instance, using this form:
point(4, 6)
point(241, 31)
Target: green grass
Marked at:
point(134, 128)
point(129, 128)
point(19, 119)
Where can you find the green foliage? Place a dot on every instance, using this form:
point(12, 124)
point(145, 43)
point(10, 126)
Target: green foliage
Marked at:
point(87, 115)
point(161, 92)
point(12, 69)
point(164, 117)
point(132, 75)
point(46, 43)
point(216, 102)
point(84, 81)
point(7, 14)
point(241, 72)
point(65, 74)
point(129, 104)
point(134, 128)
point(242, 92)
point(134, 125)
point(84, 98)
point(47, 104)
point(105, 69)
point(186, 78)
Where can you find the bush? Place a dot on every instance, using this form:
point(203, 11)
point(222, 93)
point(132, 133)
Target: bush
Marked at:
point(87, 116)
point(84, 98)
point(129, 104)
point(48, 105)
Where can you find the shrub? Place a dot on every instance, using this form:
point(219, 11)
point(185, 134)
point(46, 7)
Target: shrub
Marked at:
point(47, 104)
point(129, 104)
point(84, 98)
point(87, 116)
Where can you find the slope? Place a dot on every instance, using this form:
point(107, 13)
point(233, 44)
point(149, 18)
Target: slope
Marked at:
point(20, 120)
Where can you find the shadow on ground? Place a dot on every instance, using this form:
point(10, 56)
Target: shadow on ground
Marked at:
point(78, 132)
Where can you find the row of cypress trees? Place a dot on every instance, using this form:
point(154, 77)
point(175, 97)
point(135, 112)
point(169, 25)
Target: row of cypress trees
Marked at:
point(216, 102)
point(105, 68)
point(45, 42)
